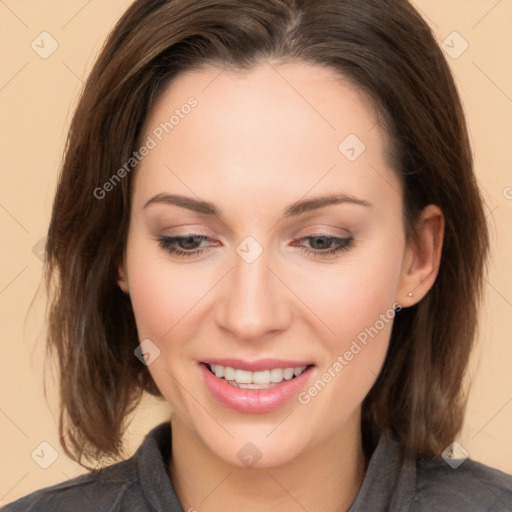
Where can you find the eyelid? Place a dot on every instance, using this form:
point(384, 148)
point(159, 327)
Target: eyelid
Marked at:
point(324, 230)
point(175, 232)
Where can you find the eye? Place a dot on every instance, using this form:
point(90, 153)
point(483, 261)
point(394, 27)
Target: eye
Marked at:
point(190, 245)
point(325, 245)
point(183, 246)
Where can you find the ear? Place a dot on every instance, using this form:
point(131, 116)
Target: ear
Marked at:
point(122, 279)
point(422, 257)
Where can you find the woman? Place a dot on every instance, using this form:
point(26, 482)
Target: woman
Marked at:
point(267, 215)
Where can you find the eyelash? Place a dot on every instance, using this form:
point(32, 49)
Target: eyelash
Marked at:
point(169, 244)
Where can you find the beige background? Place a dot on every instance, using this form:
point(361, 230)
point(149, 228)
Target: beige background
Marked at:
point(36, 100)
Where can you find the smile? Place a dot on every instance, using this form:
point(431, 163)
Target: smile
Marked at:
point(255, 380)
point(255, 387)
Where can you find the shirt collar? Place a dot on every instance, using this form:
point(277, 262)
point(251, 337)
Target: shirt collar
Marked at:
point(387, 486)
point(153, 457)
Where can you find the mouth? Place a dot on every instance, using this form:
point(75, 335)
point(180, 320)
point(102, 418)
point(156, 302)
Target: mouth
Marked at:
point(255, 387)
point(247, 379)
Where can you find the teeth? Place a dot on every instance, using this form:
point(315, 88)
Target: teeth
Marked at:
point(229, 373)
point(255, 380)
point(276, 375)
point(249, 386)
point(261, 377)
point(288, 373)
point(218, 370)
point(243, 376)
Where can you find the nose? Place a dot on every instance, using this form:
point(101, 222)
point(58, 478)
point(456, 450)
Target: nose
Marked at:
point(254, 304)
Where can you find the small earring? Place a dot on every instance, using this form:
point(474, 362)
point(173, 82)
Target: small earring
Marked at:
point(409, 294)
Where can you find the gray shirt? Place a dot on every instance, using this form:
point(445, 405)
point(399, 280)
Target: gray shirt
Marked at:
point(142, 484)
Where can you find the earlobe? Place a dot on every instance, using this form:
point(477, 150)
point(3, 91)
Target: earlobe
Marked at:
point(122, 279)
point(422, 257)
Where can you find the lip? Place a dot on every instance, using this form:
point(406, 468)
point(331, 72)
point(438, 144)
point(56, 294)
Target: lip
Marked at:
point(254, 401)
point(259, 365)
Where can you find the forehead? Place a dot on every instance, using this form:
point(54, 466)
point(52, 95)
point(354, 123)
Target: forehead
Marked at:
point(294, 126)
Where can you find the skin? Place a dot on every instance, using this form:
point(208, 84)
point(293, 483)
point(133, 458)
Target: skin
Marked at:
point(256, 143)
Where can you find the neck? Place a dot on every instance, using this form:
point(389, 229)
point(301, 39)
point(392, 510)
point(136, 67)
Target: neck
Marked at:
point(327, 477)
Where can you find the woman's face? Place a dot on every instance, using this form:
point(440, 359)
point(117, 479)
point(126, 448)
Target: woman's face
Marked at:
point(258, 294)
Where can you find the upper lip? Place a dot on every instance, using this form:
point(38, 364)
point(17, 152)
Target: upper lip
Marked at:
point(259, 365)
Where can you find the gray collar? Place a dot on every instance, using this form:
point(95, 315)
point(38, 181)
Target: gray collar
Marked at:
point(387, 486)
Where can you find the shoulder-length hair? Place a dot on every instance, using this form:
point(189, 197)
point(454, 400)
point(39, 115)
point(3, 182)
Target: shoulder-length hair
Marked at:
point(387, 51)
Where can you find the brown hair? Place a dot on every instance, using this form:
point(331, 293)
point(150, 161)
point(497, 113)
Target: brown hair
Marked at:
point(389, 53)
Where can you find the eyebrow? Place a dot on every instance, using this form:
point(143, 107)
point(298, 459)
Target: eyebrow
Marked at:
point(294, 209)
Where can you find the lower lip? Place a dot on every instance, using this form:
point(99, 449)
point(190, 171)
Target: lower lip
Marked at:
point(254, 400)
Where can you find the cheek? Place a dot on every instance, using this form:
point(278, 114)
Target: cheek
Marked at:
point(163, 297)
point(161, 292)
point(353, 295)
point(358, 307)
